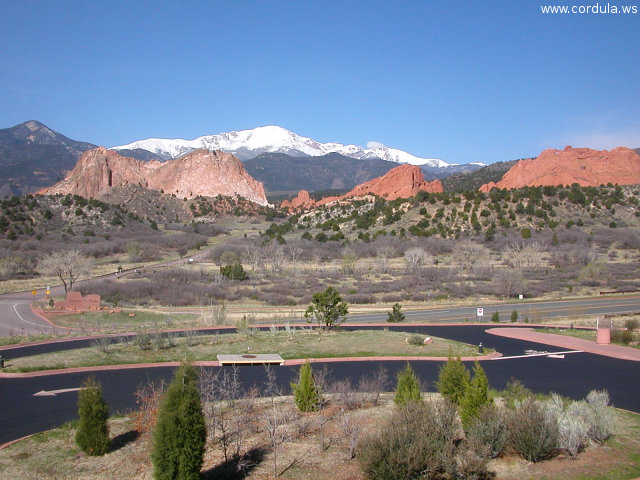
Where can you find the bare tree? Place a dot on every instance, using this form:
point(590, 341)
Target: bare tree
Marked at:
point(522, 254)
point(349, 260)
point(274, 417)
point(383, 255)
point(416, 258)
point(509, 281)
point(351, 430)
point(295, 252)
point(68, 266)
point(469, 253)
point(254, 257)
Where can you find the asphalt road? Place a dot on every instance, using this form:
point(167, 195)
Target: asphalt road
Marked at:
point(22, 413)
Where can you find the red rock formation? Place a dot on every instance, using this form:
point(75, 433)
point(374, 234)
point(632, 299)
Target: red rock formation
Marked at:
point(399, 182)
point(199, 173)
point(573, 165)
point(303, 200)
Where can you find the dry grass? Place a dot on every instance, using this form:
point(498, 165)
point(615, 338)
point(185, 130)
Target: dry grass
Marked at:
point(317, 454)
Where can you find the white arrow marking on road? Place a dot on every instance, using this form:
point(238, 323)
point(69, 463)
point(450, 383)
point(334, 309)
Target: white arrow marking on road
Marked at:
point(53, 393)
point(542, 354)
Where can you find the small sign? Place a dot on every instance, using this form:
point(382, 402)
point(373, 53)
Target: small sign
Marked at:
point(33, 292)
point(48, 292)
point(480, 312)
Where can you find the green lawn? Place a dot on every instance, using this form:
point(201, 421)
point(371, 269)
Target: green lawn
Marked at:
point(299, 344)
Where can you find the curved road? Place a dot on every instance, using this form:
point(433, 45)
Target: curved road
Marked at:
point(22, 413)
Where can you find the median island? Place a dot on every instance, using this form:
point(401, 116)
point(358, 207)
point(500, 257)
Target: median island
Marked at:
point(288, 343)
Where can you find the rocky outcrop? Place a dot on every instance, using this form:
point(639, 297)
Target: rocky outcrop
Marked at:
point(584, 166)
point(400, 182)
point(302, 200)
point(201, 172)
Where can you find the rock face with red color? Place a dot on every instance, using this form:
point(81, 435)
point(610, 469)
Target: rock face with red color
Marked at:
point(201, 172)
point(399, 182)
point(303, 200)
point(584, 166)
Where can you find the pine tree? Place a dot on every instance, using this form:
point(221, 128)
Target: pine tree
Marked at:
point(408, 388)
point(180, 434)
point(476, 396)
point(92, 435)
point(305, 392)
point(453, 379)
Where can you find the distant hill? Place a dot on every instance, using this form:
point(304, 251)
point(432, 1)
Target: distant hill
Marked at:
point(33, 156)
point(460, 182)
point(283, 173)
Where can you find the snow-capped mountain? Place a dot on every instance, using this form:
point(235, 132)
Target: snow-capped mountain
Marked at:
point(247, 144)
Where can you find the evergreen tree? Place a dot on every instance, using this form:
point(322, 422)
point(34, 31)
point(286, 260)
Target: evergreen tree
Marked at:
point(305, 392)
point(453, 379)
point(408, 388)
point(495, 317)
point(395, 315)
point(180, 434)
point(476, 396)
point(92, 435)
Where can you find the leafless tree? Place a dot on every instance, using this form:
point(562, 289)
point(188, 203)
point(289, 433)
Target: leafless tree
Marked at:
point(254, 257)
point(469, 253)
point(383, 255)
point(351, 430)
point(295, 252)
point(522, 255)
point(510, 281)
point(274, 417)
point(416, 258)
point(68, 266)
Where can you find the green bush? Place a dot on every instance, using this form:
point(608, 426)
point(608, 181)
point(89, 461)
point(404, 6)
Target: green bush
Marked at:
point(514, 316)
point(416, 340)
point(453, 379)
point(408, 387)
point(495, 317)
point(92, 435)
point(475, 397)
point(233, 272)
point(395, 315)
point(180, 433)
point(305, 392)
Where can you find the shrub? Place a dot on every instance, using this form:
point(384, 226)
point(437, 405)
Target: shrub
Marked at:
point(416, 340)
point(408, 388)
point(418, 442)
point(395, 315)
point(453, 379)
point(233, 272)
point(495, 317)
point(92, 435)
point(514, 316)
point(533, 433)
point(573, 432)
point(600, 419)
point(305, 392)
point(475, 397)
point(180, 434)
point(489, 430)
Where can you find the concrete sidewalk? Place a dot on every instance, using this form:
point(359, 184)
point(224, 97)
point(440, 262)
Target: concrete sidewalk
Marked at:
point(568, 342)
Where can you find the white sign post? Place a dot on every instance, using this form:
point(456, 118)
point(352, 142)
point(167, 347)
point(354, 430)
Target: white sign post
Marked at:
point(479, 312)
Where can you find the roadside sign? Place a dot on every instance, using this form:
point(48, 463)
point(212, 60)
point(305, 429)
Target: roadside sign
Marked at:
point(480, 312)
point(33, 292)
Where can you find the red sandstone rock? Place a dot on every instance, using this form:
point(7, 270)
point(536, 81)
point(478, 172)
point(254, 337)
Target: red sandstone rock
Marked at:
point(573, 165)
point(199, 173)
point(399, 182)
point(303, 200)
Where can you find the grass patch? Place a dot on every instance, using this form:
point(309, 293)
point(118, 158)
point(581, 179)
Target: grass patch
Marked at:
point(152, 348)
point(570, 332)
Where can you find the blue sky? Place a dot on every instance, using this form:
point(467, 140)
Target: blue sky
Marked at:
point(458, 80)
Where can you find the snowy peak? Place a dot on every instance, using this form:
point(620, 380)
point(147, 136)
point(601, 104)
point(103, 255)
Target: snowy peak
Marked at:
point(247, 144)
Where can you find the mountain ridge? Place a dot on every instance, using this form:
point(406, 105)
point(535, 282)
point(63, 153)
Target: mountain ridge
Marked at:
point(246, 144)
